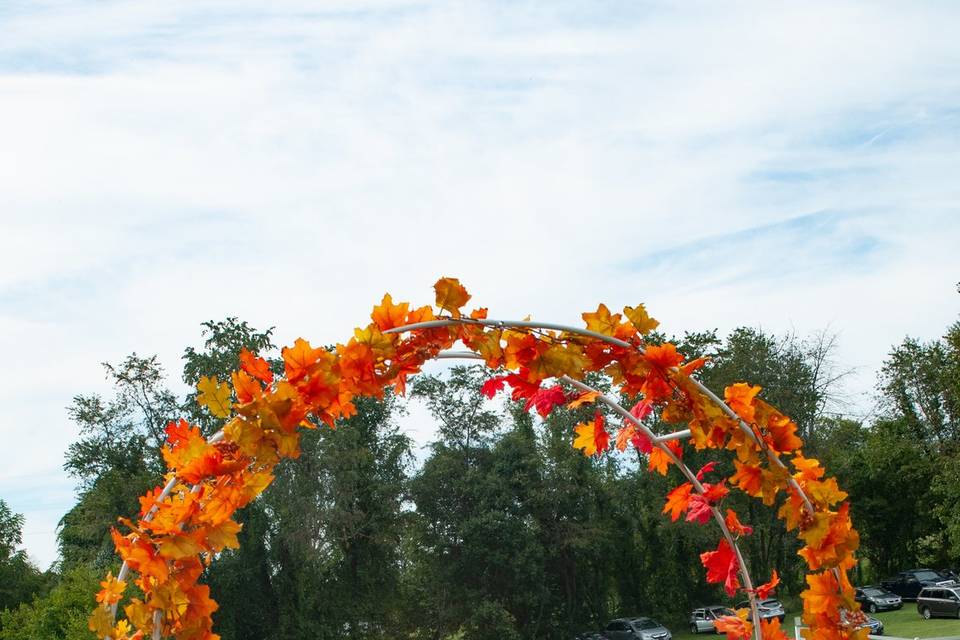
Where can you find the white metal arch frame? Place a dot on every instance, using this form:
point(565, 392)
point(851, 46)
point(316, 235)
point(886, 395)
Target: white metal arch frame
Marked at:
point(658, 440)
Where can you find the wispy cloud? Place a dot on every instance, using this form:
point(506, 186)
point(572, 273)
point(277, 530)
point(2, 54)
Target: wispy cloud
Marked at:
point(169, 163)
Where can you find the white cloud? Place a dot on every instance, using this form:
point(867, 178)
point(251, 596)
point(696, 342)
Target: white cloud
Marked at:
point(172, 163)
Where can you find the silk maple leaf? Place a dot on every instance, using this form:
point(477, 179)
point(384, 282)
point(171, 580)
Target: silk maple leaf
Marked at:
point(767, 588)
point(587, 397)
point(255, 366)
point(490, 388)
point(748, 477)
point(821, 595)
point(602, 321)
point(736, 527)
point(770, 630)
point(660, 460)
point(678, 500)
point(522, 387)
point(299, 359)
point(591, 436)
point(546, 399)
point(215, 396)
point(699, 509)
point(722, 567)
point(663, 355)
point(112, 590)
point(388, 315)
point(451, 295)
point(640, 319)
point(736, 627)
point(739, 398)
point(705, 469)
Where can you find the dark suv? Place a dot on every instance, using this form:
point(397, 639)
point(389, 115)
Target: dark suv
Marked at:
point(939, 601)
point(875, 599)
point(908, 584)
point(636, 629)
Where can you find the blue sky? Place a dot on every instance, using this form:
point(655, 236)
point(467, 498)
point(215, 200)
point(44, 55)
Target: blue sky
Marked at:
point(792, 167)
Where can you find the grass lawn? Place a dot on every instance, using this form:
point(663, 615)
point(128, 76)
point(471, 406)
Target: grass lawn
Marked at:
point(905, 623)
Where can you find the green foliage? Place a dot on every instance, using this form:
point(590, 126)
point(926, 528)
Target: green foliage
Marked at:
point(60, 615)
point(19, 578)
point(117, 457)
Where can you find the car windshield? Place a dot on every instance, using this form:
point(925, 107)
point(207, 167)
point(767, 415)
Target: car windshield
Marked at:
point(645, 623)
point(723, 611)
point(928, 575)
point(875, 592)
point(770, 603)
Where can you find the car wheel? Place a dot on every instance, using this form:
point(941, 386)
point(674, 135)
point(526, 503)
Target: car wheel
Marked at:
point(872, 608)
point(925, 612)
point(694, 629)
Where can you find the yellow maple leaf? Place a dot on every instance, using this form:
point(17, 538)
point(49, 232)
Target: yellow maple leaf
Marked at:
point(215, 396)
point(639, 318)
point(451, 295)
point(602, 321)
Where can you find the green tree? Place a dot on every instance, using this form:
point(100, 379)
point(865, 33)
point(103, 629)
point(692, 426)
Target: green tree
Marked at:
point(19, 578)
point(59, 615)
point(117, 457)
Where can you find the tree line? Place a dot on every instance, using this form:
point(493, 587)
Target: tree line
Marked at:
point(500, 529)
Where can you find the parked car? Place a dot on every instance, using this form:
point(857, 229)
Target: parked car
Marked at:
point(873, 599)
point(908, 584)
point(768, 609)
point(939, 601)
point(876, 627)
point(702, 619)
point(636, 629)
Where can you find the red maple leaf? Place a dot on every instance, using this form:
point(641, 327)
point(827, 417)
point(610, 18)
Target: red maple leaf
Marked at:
point(523, 389)
point(546, 399)
point(705, 469)
point(722, 567)
point(698, 509)
point(492, 386)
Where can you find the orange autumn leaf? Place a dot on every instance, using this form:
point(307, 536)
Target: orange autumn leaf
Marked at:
point(587, 397)
point(246, 387)
point(591, 436)
point(736, 627)
point(388, 315)
point(451, 295)
point(748, 477)
point(602, 321)
point(739, 397)
point(663, 355)
point(736, 527)
point(299, 359)
point(660, 460)
point(767, 588)
point(677, 500)
point(112, 590)
point(821, 596)
point(770, 630)
point(255, 366)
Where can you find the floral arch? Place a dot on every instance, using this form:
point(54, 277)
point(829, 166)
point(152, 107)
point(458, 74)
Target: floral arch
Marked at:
point(184, 523)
